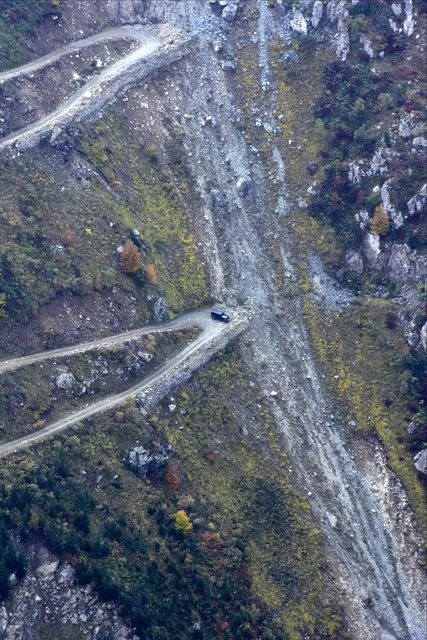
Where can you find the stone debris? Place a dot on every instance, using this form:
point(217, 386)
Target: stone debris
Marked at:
point(49, 597)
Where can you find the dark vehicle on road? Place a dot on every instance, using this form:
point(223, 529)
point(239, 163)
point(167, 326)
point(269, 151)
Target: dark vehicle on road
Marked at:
point(216, 314)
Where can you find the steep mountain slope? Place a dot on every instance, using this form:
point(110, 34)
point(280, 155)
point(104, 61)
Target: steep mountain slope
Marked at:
point(270, 156)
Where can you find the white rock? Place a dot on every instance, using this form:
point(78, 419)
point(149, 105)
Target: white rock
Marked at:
point(421, 461)
point(405, 129)
point(393, 25)
point(396, 216)
point(399, 264)
point(355, 173)
point(418, 201)
point(364, 40)
point(419, 141)
point(362, 217)
point(316, 16)
point(342, 44)
point(48, 569)
point(65, 380)
point(3, 619)
point(409, 22)
point(354, 261)
point(423, 336)
point(298, 23)
point(371, 248)
point(336, 10)
point(396, 8)
point(229, 12)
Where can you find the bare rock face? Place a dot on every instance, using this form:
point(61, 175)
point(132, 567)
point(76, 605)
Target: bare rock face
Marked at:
point(371, 249)
point(421, 462)
point(423, 336)
point(298, 22)
point(354, 261)
point(418, 201)
point(48, 598)
point(316, 16)
point(125, 11)
point(161, 310)
point(404, 264)
point(144, 461)
point(229, 12)
point(47, 569)
point(396, 216)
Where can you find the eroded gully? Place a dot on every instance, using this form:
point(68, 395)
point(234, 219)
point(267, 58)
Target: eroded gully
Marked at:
point(382, 593)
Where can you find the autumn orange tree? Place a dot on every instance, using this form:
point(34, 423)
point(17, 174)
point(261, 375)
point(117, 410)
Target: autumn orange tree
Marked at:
point(172, 476)
point(150, 274)
point(130, 259)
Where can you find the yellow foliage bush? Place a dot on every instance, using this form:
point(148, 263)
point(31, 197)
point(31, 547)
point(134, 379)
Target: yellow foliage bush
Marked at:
point(380, 223)
point(182, 521)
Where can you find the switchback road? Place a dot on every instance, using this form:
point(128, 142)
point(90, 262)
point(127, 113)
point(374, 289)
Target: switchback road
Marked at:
point(213, 337)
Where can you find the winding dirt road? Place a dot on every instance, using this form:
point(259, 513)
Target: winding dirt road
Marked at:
point(131, 32)
point(95, 93)
point(195, 318)
point(213, 337)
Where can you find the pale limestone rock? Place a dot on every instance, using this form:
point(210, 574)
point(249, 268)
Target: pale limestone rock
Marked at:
point(421, 462)
point(3, 619)
point(336, 10)
point(342, 44)
point(399, 262)
point(405, 128)
point(354, 261)
point(65, 380)
point(229, 12)
point(396, 8)
point(355, 173)
point(362, 217)
point(366, 43)
point(418, 201)
point(395, 216)
point(423, 336)
point(378, 162)
point(371, 248)
point(298, 23)
point(419, 141)
point(317, 13)
point(48, 569)
point(409, 22)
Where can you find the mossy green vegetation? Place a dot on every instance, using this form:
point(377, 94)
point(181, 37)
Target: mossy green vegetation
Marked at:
point(17, 19)
point(115, 189)
point(361, 350)
point(253, 564)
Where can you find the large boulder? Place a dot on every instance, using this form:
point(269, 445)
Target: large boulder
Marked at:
point(144, 461)
point(161, 310)
point(65, 380)
point(317, 13)
point(421, 462)
point(229, 12)
point(298, 23)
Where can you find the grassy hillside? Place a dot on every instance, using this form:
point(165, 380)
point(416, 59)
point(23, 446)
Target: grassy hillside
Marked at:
point(252, 565)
